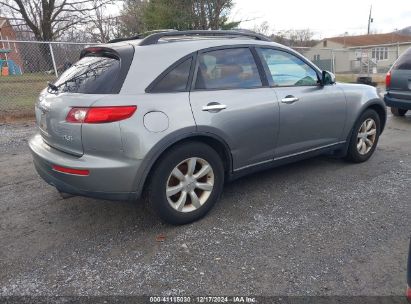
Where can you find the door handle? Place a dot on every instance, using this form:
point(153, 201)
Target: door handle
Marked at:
point(289, 99)
point(214, 107)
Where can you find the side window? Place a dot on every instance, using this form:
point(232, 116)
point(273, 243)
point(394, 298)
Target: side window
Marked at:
point(176, 80)
point(404, 63)
point(287, 70)
point(227, 69)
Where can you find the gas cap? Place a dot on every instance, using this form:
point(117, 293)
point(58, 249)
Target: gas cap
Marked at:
point(156, 121)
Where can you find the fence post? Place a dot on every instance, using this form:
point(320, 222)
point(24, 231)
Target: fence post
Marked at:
point(332, 61)
point(54, 61)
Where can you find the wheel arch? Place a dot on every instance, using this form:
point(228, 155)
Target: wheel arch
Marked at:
point(382, 113)
point(212, 140)
point(375, 105)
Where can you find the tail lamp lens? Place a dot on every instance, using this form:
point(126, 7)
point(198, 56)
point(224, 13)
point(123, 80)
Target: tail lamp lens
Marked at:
point(97, 115)
point(388, 79)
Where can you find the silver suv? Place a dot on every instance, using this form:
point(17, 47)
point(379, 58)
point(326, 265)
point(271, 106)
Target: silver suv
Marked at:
point(177, 114)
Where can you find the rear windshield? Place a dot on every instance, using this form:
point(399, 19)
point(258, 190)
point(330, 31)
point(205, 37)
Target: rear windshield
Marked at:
point(90, 75)
point(404, 62)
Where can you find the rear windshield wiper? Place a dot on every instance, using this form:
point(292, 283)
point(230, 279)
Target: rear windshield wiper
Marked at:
point(52, 86)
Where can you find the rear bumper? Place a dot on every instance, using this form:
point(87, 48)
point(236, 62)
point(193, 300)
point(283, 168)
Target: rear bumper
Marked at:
point(108, 179)
point(397, 103)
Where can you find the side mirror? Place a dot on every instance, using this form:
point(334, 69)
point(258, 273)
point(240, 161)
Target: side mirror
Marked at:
point(327, 78)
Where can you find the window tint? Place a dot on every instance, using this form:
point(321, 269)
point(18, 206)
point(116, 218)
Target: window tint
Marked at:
point(90, 75)
point(404, 62)
point(176, 80)
point(287, 70)
point(227, 69)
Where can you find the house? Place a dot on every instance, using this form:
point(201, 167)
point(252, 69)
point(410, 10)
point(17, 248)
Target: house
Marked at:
point(374, 53)
point(10, 50)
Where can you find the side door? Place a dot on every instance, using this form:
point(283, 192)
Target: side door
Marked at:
point(230, 99)
point(311, 115)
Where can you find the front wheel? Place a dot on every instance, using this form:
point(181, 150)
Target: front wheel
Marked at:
point(364, 137)
point(186, 183)
point(398, 112)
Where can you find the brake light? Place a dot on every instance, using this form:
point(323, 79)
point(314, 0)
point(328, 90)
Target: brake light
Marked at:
point(96, 115)
point(388, 80)
point(408, 294)
point(71, 170)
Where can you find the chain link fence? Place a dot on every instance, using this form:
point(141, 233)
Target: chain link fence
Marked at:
point(25, 69)
point(352, 63)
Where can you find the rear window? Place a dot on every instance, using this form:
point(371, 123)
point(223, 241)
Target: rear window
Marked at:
point(90, 75)
point(404, 62)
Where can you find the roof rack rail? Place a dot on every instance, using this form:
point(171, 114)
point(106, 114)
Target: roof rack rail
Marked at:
point(142, 35)
point(154, 38)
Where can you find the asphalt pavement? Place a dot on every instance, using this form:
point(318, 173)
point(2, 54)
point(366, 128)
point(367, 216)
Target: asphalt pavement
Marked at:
point(318, 227)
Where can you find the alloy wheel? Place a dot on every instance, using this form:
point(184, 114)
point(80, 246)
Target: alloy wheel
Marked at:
point(190, 185)
point(366, 136)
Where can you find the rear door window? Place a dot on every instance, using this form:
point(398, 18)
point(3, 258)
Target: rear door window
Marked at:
point(227, 69)
point(404, 62)
point(176, 80)
point(90, 75)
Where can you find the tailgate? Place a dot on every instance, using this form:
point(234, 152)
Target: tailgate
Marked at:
point(51, 112)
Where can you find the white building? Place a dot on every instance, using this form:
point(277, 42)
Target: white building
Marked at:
point(359, 54)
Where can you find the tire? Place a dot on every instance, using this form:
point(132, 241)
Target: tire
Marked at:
point(398, 112)
point(165, 177)
point(356, 151)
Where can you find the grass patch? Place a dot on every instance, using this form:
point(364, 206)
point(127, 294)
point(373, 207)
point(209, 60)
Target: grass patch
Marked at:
point(19, 93)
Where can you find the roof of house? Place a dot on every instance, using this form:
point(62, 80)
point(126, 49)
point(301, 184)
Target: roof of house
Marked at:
point(373, 39)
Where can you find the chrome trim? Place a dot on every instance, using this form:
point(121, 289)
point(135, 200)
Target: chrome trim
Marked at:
point(289, 100)
point(216, 107)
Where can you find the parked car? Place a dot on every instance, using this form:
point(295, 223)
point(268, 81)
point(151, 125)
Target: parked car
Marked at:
point(398, 84)
point(177, 114)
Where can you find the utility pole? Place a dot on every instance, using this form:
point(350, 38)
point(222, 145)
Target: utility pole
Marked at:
point(370, 20)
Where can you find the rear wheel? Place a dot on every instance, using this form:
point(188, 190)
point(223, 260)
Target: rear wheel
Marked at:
point(186, 183)
point(398, 112)
point(364, 137)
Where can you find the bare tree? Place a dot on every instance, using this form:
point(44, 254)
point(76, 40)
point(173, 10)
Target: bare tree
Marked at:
point(104, 26)
point(48, 20)
point(296, 38)
point(264, 29)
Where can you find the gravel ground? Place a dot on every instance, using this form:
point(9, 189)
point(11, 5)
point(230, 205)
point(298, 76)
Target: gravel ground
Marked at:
point(317, 227)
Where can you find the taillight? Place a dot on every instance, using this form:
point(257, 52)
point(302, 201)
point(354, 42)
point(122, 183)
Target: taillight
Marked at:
point(388, 80)
point(71, 170)
point(100, 114)
point(408, 294)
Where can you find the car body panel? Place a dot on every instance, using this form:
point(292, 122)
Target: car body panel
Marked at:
point(106, 174)
point(249, 124)
point(51, 112)
point(317, 119)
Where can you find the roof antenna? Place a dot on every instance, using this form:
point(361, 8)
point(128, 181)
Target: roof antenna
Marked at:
point(370, 20)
